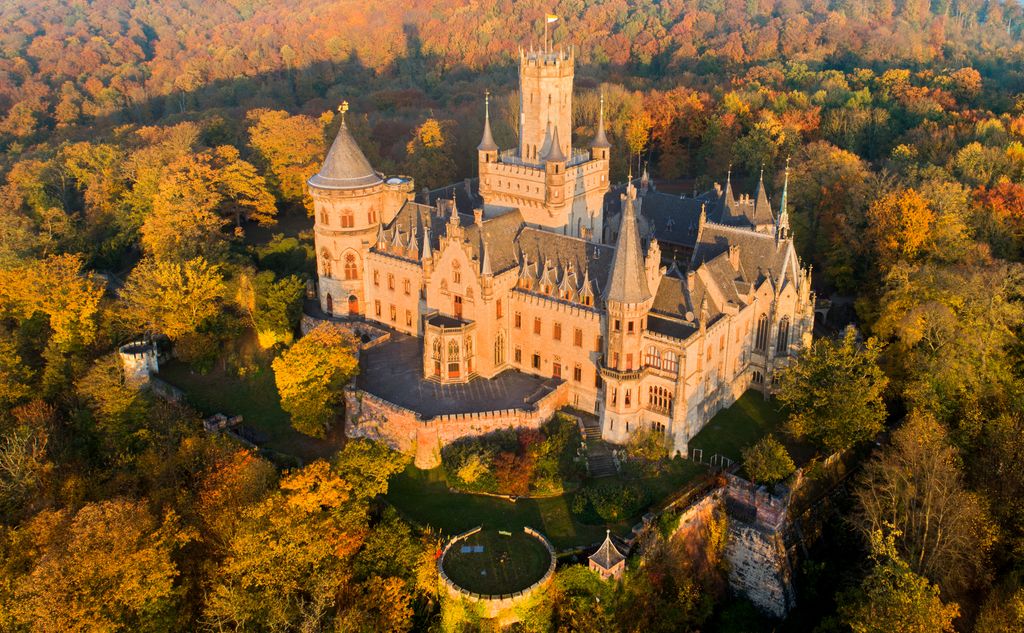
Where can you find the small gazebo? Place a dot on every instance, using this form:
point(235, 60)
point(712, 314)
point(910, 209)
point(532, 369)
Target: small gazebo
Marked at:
point(608, 561)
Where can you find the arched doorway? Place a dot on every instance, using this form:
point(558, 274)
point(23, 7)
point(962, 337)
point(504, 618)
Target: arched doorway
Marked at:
point(353, 304)
point(330, 304)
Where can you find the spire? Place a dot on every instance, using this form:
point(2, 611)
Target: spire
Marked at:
point(545, 147)
point(487, 143)
point(426, 256)
point(485, 260)
point(600, 140)
point(761, 196)
point(782, 222)
point(555, 154)
point(628, 280)
point(380, 236)
point(345, 166)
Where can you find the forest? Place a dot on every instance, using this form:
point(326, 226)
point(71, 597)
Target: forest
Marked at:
point(152, 181)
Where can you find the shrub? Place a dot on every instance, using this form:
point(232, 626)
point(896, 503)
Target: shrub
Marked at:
point(767, 461)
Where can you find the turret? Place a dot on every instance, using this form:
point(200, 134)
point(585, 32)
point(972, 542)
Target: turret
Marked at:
point(487, 149)
point(600, 146)
point(782, 221)
point(627, 293)
point(554, 172)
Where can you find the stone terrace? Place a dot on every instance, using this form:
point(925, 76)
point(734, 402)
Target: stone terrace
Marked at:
point(393, 371)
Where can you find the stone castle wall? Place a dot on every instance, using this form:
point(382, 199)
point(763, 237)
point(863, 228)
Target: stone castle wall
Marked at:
point(371, 417)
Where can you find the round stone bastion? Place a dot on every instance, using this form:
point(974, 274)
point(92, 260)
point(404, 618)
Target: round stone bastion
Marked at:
point(519, 573)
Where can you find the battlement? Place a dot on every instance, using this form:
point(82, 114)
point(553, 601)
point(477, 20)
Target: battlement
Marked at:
point(545, 59)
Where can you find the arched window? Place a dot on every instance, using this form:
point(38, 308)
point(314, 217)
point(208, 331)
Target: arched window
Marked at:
point(437, 349)
point(456, 273)
point(351, 270)
point(761, 342)
point(453, 351)
point(782, 343)
point(347, 219)
point(325, 263)
point(758, 378)
point(659, 399)
point(653, 357)
point(499, 350)
point(670, 362)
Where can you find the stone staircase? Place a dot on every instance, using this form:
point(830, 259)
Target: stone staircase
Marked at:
point(600, 462)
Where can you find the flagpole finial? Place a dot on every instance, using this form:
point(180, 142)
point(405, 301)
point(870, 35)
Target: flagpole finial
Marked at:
point(343, 108)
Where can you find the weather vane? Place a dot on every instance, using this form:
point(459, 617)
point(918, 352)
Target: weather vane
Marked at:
point(343, 108)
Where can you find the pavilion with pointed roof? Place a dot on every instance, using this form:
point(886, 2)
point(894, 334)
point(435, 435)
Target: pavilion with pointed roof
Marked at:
point(608, 561)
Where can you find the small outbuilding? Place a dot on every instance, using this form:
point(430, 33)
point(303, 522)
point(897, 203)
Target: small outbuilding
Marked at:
point(608, 561)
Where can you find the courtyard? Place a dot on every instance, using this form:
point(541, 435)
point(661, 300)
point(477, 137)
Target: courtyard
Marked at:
point(495, 562)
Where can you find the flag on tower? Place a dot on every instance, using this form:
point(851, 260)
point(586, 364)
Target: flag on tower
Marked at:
point(551, 18)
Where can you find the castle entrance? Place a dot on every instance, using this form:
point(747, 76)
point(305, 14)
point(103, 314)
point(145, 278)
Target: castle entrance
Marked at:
point(353, 304)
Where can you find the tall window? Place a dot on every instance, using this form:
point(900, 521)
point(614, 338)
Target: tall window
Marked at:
point(577, 373)
point(391, 281)
point(453, 359)
point(497, 309)
point(351, 271)
point(653, 357)
point(659, 399)
point(499, 350)
point(325, 258)
point(536, 325)
point(557, 334)
point(407, 286)
point(456, 273)
point(347, 219)
point(376, 278)
point(517, 320)
point(782, 343)
point(577, 338)
point(761, 342)
point(670, 362)
point(325, 218)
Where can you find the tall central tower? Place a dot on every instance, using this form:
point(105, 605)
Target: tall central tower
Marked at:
point(545, 102)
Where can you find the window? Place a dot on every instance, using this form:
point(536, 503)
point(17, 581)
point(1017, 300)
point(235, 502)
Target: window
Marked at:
point(456, 274)
point(499, 350)
point(497, 309)
point(556, 370)
point(659, 399)
point(518, 355)
point(407, 286)
point(453, 359)
point(408, 318)
point(615, 360)
point(782, 344)
point(577, 373)
point(536, 361)
point(670, 362)
point(588, 300)
point(376, 308)
point(325, 218)
point(376, 278)
point(577, 338)
point(761, 342)
point(600, 343)
point(458, 307)
point(391, 281)
point(347, 219)
point(653, 357)
point(372, 216)
point(557, 334)
point(628, 397)
point(629, 326)
point(517, 320)
point(394, 313)
point(618, 325)
point(536, 325)
point(615, 395)
point(758, 378)
point(629, 362)
point(351, 271)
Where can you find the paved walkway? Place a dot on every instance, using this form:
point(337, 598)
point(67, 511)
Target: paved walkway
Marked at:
point(394, 372)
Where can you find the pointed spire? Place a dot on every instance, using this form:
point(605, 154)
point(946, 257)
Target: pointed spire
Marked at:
point(487, 143)
point(727, 197)
point(426, 255)
point(555, 154)
point(545, 147)
point(782, 221)
point(485, 260)
point(627, 282)
point(600, 140)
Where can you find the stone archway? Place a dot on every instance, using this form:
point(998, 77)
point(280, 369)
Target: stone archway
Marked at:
point(330, 304)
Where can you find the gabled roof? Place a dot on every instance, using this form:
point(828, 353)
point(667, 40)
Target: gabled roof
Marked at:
point(346, 166)
point(607, 556)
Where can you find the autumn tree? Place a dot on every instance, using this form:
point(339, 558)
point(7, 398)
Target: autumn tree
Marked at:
point(310, 376)
point(292, 147)
point(767, 461)
point(173, 298)
point(833, 393)
point(915, 486)
point(108, 566)
point(273, 305)
point(24, 459)
point(895, 599)
point(898, 225)
point(429, 157)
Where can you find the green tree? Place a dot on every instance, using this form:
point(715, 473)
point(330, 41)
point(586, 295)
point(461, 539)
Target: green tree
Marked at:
point(172, 298)
point(833, 393)
point(429, 155)
point(767, 461)
point(274, 305)
point(310, 376)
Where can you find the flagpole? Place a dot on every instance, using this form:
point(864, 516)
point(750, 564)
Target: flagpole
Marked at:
point(546, 34)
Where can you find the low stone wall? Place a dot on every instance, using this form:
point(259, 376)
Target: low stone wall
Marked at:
point(369, 336)
point(497, 606)
point(372, 417)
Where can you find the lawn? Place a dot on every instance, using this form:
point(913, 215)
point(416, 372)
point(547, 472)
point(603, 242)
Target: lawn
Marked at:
point(244, 385)
point(741, 425)
point(508, 563)
point(423, 496)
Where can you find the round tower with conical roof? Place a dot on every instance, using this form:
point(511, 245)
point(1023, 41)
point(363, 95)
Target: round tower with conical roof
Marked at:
point(350, 200)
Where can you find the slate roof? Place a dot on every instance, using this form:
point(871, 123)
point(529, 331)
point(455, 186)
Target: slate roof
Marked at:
point(607, 556)
point(345, 166)
point(566, 255)
point(628, 280)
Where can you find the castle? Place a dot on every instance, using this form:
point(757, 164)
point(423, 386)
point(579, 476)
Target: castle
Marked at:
point(542, 267)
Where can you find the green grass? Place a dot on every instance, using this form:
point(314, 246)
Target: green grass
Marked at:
point(253, 395)
point(424, 497)
point(507, 564)
point(731, 430)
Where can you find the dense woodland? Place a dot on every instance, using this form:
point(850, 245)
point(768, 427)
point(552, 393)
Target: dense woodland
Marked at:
point(150, 149)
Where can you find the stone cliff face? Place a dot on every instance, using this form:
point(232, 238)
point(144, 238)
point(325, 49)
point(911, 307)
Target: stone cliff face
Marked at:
point(759, 568)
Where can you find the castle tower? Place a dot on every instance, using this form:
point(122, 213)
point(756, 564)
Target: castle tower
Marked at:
point(545, 98)
point(350, 199)
point(628, 298)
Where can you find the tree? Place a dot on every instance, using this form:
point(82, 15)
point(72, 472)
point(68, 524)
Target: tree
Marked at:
point(310, 376)
point(894, 599)
point(1002, 612)
point(108, 567)
point(429, 155)
point(649, 445)
point(581, 601)
point(915, 486)
point(23, 454)
point(274, 306)
point(833, 393)
point(173, 298)
point(291, 146)
point(767, 461)
point(898, 225)
point(15, 378)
